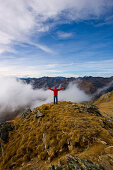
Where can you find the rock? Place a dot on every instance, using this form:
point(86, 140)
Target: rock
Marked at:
point(76, 163)
point(109, 150)
point(26, 114)
point(5, 127)
point(91, 108)
point(38, 114)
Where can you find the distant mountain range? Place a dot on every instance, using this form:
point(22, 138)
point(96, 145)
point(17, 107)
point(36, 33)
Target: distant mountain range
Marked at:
point(91, 85)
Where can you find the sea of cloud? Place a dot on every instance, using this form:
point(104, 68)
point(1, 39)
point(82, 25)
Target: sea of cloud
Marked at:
point(15, 95)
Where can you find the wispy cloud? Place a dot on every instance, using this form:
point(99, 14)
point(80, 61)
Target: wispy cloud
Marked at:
point(107, 21)
point(90, 66)
point(64, 35)
point(20, 20)
point(42, 47)
point(21, 68)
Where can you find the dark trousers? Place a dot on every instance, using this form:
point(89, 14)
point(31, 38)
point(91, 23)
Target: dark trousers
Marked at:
point(56, 99)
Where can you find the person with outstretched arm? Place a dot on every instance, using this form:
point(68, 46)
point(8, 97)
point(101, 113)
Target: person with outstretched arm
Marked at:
point(55, 90)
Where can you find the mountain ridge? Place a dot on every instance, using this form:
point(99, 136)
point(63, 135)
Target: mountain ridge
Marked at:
point(49, 133)
point(89, 84)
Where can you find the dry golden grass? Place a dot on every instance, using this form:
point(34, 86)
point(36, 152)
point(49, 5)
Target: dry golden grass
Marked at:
point(105, 103)
point(63, 130)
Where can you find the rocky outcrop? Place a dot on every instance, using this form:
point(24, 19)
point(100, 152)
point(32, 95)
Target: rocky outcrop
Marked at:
point(76, 163)
point(5, 127)
point(81, 164)
point(37, 113)
point(88, 108)
point(26, 114)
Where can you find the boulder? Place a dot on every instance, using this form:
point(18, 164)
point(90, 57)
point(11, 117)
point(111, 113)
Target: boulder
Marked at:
point(5, 127)
point(37, 113)
point(81, 164)
point(26, 114)
point(92, 109)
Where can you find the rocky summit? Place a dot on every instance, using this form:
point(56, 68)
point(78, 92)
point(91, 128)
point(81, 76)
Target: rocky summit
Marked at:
point(62, 136)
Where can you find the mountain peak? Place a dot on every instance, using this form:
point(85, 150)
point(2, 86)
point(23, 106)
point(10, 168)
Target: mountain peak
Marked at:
point(50, 132)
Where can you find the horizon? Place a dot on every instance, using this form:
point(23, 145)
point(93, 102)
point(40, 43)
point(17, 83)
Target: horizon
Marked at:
point(61, 77)
point(56, 38)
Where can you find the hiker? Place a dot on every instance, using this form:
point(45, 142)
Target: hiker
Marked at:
point(55, 90)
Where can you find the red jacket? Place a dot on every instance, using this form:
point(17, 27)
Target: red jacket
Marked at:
point(55, 90)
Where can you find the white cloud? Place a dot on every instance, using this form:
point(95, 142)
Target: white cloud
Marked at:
point(64, 35)
point(19, 20)
point(17, 24)
point(42, 47)
point(108, 20)
point(15, 95)
point(74, 9)
point(23, 67)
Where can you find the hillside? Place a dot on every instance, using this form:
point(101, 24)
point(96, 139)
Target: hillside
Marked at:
point(56, 134)
point(105, 103)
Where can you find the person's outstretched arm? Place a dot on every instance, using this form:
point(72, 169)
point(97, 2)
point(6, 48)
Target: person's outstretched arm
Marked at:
point(60, 89)
point(50, 89)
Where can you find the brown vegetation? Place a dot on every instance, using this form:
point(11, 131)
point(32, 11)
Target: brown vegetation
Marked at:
point(63, 129)
point(105, 103)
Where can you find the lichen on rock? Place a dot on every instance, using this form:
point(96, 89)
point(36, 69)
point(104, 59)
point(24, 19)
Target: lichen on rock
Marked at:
point(5, 127)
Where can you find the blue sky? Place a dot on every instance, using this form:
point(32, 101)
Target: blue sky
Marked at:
point(56, 38)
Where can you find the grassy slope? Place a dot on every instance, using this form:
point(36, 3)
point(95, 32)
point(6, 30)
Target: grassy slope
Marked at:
point(105, 103)
point(63, 130)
